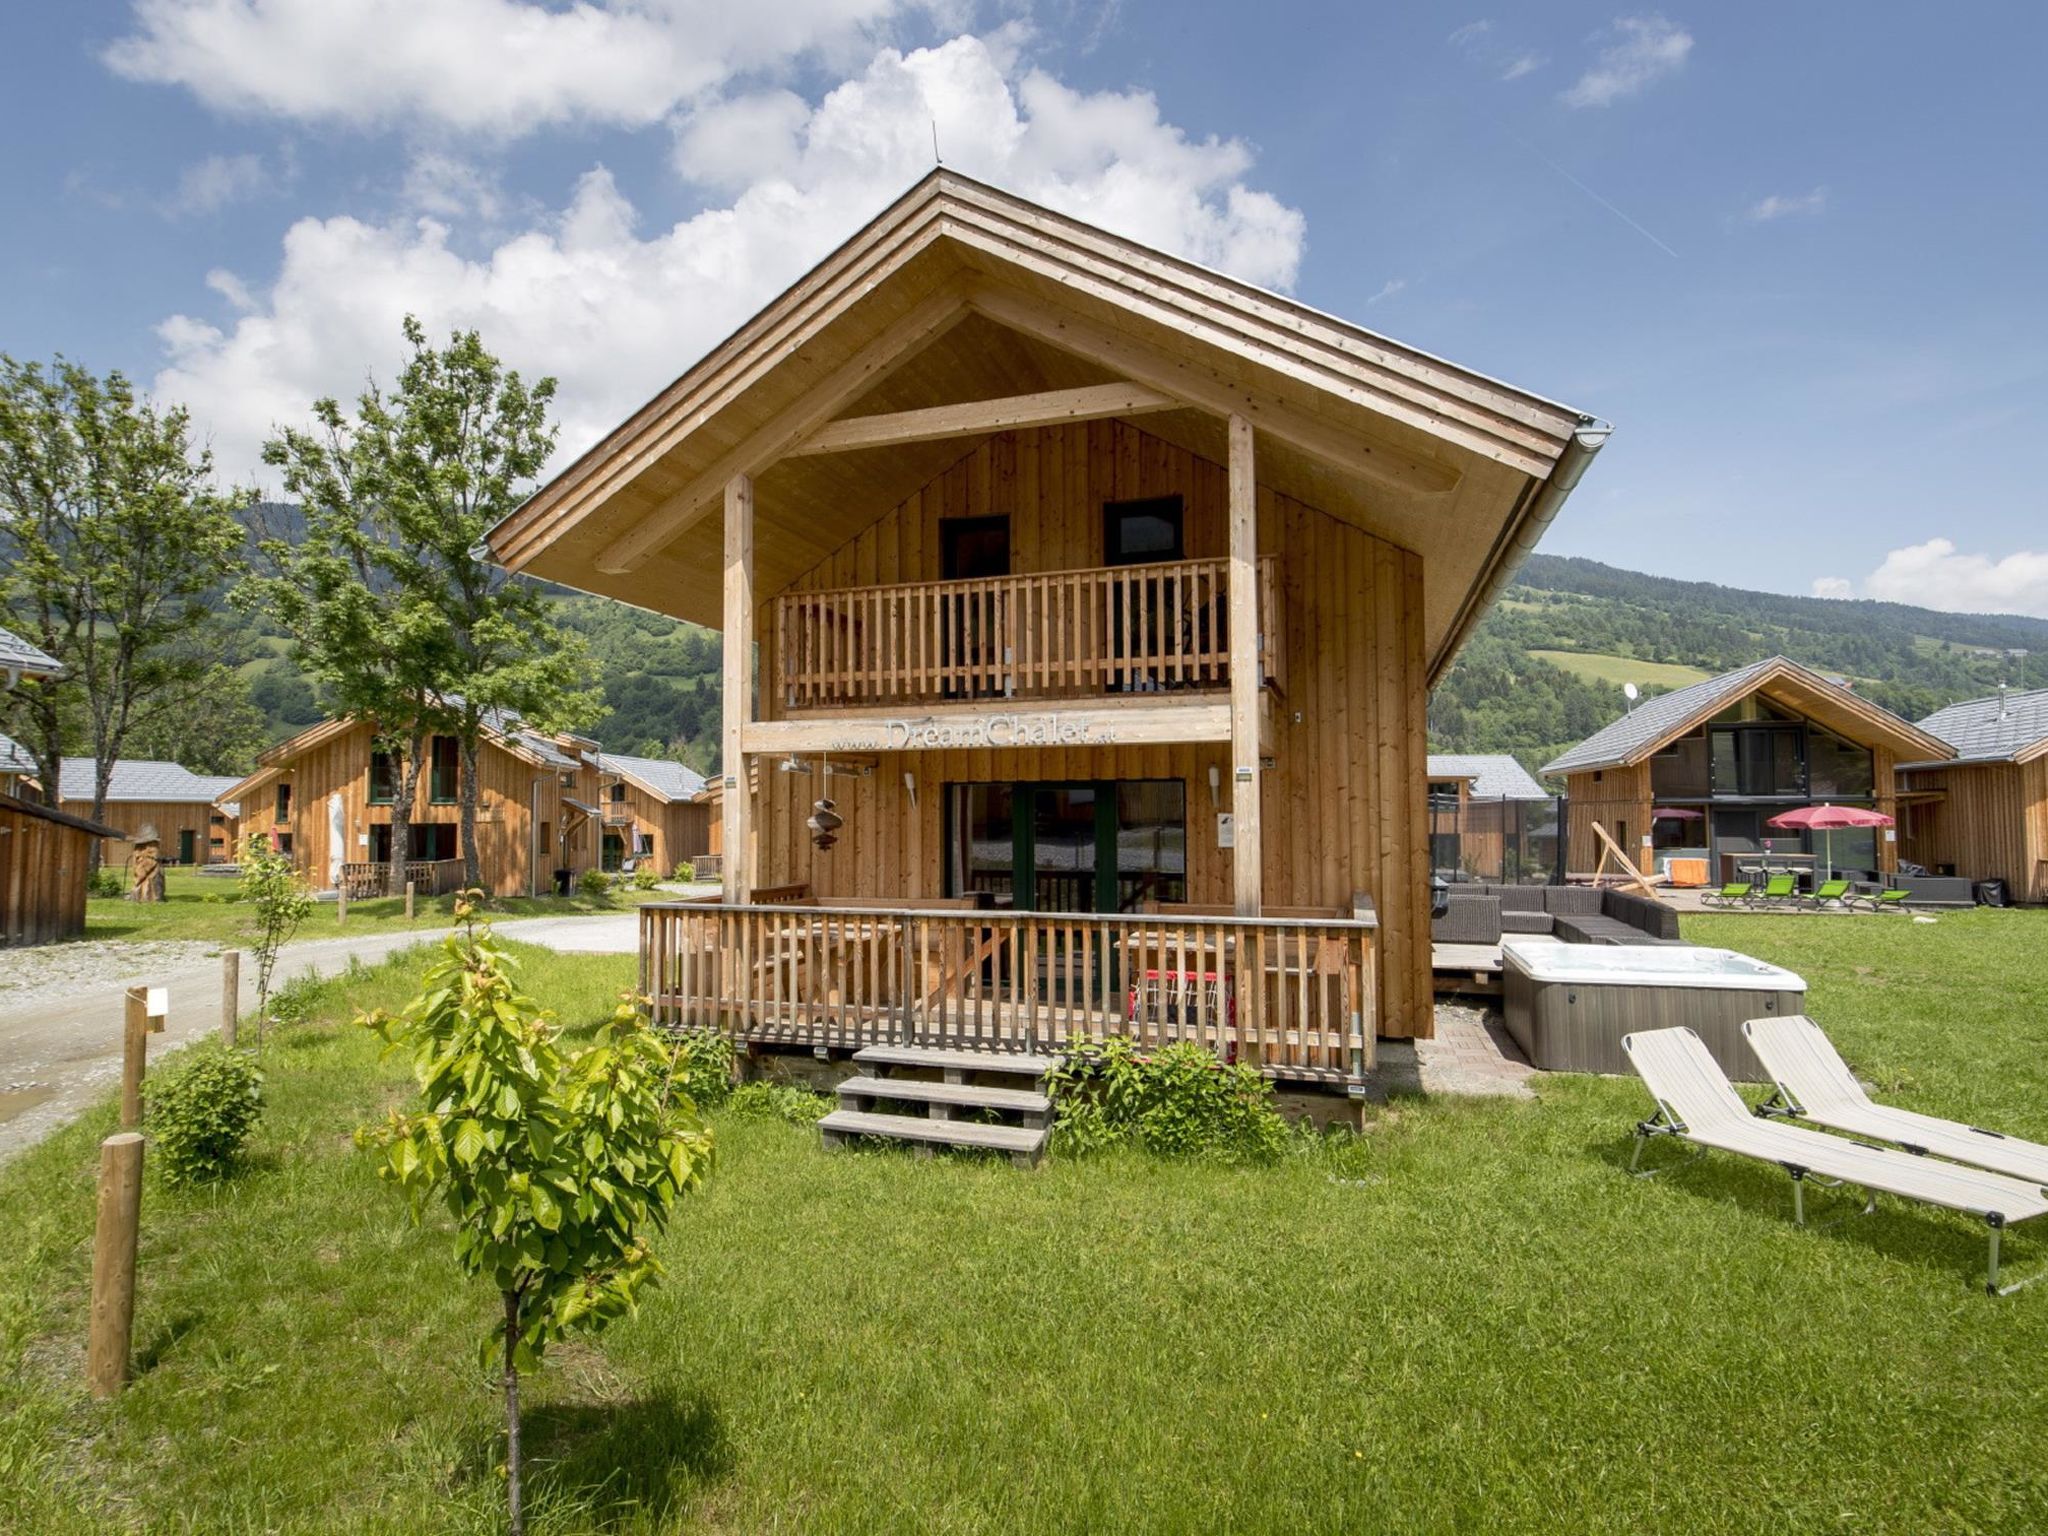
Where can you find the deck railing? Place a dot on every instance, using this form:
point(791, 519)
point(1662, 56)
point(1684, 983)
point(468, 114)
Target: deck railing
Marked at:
point(1053, 634)
point(1292, 995)
point(429, 877)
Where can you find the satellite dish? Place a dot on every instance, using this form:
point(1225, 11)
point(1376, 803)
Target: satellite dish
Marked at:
point(1630, 692)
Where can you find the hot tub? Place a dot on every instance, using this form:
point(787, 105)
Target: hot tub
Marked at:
point(1568, 1005)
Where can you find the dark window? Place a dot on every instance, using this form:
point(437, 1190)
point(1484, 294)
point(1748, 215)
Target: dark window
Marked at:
point(1679, 772)
point(1141, 532)
point(1841, 769)
point(383, 779)
point(619, 794)
point(380, 843)
point(447, 770)
point(283, 843)
point(1076, 847)
point(435, 840)
point(971, 548)
point(284, 804)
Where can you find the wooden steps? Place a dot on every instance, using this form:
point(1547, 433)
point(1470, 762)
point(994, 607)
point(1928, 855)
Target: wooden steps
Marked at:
point(931, 1101)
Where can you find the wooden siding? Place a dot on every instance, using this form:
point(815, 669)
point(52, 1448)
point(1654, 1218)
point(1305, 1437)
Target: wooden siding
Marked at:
point(1617, 798)
point(681, 829)
point(1990, 821)
point(42, 877)
point(1343, 802)
point(509, 792)
point(169, 818)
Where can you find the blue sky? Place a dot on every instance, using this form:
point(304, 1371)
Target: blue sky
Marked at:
point(1795, 252)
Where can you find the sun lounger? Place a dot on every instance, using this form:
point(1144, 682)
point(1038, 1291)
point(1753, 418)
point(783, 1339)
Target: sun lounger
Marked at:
point(1733, 893)
point(1815, 1084)
point(1885, 901)
point(1836, 891)
point(1780, 888)
point(1696, 1103)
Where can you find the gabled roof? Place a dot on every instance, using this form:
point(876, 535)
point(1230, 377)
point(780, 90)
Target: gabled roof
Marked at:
point(61, 818)
point(959, 292)
point(141, 779)
point(19, 659)
point(501, 729)
point(1494, 776)
point(1656, 722)
point(15, 758)
point(2005, 728)
point(665, 780)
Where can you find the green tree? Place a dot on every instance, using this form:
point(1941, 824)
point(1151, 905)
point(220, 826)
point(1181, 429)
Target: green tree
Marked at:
point(274, 888)
point(116, 546)
point(559, 1168)
point(214, 728)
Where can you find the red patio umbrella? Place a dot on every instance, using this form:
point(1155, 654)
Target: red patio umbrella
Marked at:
point(1825, 818)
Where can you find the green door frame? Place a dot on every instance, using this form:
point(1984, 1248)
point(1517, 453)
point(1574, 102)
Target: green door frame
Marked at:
point(1024, 840)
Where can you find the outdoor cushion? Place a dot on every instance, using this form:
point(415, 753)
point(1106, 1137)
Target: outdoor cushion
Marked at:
point(1526, 922)
point(1599, 930)
point(1468, 920)
point(1522, 898)
point(1652, 917)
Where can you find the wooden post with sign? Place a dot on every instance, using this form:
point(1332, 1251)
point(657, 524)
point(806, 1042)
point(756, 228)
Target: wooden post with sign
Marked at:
point(138, 1023)
point(115, 1232)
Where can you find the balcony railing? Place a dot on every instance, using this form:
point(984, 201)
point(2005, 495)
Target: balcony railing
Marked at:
point(1054, 634)
point(429, 877)
point(1291, 994)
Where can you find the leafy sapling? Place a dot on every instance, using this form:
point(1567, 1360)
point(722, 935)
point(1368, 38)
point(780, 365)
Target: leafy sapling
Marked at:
point(559, 1167)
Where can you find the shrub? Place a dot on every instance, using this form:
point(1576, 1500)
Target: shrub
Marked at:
point(595, 884)
point(685, 871)
point(201, 1108)
point(107, 881)
point(779, 1101)
point(645, 878)
point(1175, 1102)
point(703, 1066)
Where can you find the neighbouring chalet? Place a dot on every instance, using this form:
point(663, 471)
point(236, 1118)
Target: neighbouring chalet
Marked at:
point(1697, 773)
point(1984, 813)
point(21, 661)
point(1081, 608)
point(45, 857)
point(654, 814)
point(325, 797)
point(167, 801)
point(1485, 811)
point(17, 764)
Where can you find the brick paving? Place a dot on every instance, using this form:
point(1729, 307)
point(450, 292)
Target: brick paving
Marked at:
point(1472, 1055)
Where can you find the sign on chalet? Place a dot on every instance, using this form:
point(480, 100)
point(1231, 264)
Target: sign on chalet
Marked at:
point(1081, 609)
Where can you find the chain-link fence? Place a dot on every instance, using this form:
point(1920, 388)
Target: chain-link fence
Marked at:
point(1498, 842)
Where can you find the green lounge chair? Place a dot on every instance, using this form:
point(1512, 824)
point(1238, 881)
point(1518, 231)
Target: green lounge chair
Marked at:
point(1736, 893)
point(1836, 891)
point(1780, 889)
point(1888, 901)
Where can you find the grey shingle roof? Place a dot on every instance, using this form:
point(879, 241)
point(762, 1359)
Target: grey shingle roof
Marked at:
point(1654, 718)
point(1992, 729)
point(1495, 776)
point(14, 757)
point(17, 655)
point(142, 779)
point(670, 780)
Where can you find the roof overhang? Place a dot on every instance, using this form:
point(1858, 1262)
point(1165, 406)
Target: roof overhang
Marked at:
point(961, 293)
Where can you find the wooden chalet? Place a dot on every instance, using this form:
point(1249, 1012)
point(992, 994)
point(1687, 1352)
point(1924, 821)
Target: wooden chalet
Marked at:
point(1696, 774)
point(146, 799)
point(1983, 813)
point(325, 797)
point(655, 814)
point(1480, 818)
point(1081, 605)
point(45, 857)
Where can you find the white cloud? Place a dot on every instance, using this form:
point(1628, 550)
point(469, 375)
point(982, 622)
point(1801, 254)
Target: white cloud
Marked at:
point(1833, 586)
point(1784, 206)
point(1388, 289)
point(1523, 64)
point(616, 312)
point(729, 144)
point(499, 67)
point(1645, 49)
point(1472, 31)
point(1936, 575)
point(1497, 55)
point(446, 186)
point(208, 185)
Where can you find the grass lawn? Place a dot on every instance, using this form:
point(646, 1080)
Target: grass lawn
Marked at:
point(197, 906)
point(1468, 1319)
point(1604, 668)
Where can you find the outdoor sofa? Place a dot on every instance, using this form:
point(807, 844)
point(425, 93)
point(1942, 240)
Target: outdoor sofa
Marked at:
point(1576, 914)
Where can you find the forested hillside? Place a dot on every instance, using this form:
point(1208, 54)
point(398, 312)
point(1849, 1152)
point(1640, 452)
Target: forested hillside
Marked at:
point(1545, 668)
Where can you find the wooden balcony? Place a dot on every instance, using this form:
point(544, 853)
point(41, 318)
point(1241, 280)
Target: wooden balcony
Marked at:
point(429, 877)
point(1049, 635)
point(1292, 994)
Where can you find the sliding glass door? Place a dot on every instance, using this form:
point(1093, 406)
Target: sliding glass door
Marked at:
point(1077, 846)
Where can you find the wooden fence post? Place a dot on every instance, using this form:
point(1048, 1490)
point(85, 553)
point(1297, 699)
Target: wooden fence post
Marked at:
point(230, 994)
point(408, 900)
point(115, 1233)
point(341, 901)
point(137, 1025)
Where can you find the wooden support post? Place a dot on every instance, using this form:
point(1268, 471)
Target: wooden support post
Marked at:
point(230, 994)
point(408, 900)
point(137, 1025)
point(341, 901)
point(113, 1263)
point(735, 805)
point(1246, 859)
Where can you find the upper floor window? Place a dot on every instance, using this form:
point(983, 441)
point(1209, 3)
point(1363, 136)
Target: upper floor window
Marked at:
point(284, 803)
point(1142, 532)
point(619, 793)
point(974, 548)
point(445, 772)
